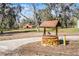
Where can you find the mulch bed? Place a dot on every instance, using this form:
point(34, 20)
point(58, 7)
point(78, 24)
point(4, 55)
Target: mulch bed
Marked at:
point(33, 49)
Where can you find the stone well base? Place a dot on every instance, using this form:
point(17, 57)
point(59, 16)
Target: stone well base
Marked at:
point(48, 40)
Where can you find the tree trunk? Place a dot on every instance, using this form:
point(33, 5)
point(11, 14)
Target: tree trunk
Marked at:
point(1, 31)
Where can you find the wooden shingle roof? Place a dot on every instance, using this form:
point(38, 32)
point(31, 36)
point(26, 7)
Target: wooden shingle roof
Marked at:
point(52, 23)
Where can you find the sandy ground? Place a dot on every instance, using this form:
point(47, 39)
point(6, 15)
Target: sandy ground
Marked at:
point(13, 44)
point(11, 36)
point(33, 49)
point(36, 49)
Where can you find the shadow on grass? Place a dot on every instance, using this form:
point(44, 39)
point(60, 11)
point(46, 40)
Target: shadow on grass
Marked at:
point(61, 42)
point(15, 32)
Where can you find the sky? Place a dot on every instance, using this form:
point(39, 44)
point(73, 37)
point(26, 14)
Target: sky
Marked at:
point(28, 12)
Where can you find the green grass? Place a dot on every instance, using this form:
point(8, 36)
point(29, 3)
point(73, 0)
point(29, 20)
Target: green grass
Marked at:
point(68, 30)
point(64, 30)
point(21, 30)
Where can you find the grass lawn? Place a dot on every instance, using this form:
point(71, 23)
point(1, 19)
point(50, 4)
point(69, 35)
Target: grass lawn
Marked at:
point(64, 30)
point(68, 30)
point(21, 30)
point(24, 33)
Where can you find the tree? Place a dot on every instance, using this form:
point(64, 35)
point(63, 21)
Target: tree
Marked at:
point(62, 11)
point(45, 14)
point(66, 13)
point(3, 13)
point(36, 16)
point(8, 16)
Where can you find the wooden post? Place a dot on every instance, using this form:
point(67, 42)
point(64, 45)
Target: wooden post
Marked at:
point(44, 31)
point(56, 31)
point(64, 40)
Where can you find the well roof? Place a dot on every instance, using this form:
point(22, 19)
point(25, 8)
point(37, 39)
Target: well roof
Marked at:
point(52, 23)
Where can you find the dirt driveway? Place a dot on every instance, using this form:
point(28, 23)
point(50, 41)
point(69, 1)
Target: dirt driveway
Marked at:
point(11, 36)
